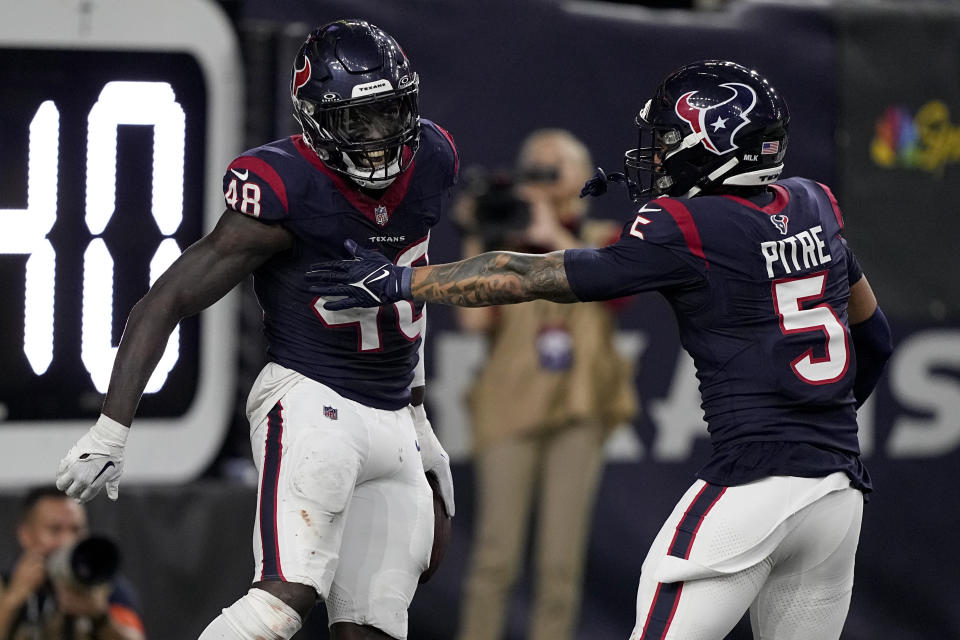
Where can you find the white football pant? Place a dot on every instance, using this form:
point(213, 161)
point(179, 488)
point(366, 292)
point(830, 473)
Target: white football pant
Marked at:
point(782, 547)
point(343, 503)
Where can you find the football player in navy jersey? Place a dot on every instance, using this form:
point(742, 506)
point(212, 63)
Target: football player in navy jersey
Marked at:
point(781, 323)
point(339, 434)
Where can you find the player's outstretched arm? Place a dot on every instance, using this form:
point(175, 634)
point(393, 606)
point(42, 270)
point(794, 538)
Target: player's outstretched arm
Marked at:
point(203, 274)
point(498, 277)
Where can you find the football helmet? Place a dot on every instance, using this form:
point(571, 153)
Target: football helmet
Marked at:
point(355, 97)
point(709, 125)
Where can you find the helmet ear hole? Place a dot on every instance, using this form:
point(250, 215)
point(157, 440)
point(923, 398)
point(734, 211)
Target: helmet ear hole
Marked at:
point(670, 138)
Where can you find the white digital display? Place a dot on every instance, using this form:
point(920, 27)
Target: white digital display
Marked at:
point(142, 103)
point(24, 231)
point(112, 167)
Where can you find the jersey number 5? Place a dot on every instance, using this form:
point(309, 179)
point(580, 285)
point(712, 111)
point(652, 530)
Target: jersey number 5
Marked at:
point(788, 298)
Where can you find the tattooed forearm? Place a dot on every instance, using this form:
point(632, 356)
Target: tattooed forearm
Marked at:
point(498, 277)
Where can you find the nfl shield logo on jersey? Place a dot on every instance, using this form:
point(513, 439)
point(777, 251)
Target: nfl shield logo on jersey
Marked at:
point(329, 412)
point(381, 215)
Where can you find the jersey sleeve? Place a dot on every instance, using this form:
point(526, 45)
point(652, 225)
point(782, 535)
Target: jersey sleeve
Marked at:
point(625, 268)
point(253, 186)
point(854, 270)
point(445, 148)
point(659, 249)
point(833, 204)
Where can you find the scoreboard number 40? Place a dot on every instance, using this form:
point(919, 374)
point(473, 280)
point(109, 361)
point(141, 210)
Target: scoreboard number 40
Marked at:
point(25, 230)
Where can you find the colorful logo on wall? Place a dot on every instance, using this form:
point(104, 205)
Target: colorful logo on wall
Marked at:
point(927, 141)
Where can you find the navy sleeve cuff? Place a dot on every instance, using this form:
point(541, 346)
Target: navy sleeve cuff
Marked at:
point(406, 281)
point(873, 345)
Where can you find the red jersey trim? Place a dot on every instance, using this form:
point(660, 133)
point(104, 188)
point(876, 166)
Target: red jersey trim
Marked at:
point(691, 235)
point(392, 196)
point(833, 203)
point(781, 198)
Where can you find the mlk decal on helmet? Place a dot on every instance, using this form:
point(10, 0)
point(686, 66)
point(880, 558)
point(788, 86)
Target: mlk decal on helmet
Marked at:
point(355, 97)
point(709, 124)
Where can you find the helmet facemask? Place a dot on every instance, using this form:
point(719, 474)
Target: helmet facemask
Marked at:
point(644, 165)
point(371, 140)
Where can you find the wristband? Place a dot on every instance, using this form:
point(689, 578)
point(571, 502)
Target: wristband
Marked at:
point(110, 431)
point(406, 283)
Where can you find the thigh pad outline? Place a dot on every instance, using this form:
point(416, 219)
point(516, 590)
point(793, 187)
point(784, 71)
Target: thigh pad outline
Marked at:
point(325, 471)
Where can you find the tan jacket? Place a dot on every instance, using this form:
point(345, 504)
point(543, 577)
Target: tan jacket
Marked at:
point(551, 364)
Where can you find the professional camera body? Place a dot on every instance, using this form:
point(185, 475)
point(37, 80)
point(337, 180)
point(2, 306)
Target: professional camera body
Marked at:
point(91, 561)
point(500, 216)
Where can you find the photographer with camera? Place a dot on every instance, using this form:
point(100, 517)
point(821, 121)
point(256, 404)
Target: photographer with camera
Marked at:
point(550, 392)
point(64, 586)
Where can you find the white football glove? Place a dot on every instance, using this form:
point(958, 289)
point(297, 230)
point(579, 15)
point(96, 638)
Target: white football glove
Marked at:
point(95, 462)
point(435, 459)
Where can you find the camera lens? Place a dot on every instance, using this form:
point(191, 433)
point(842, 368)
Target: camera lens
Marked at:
point(94, 560)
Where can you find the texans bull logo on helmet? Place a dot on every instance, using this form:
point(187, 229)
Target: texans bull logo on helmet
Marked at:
point(301, 76)
point(718, 115)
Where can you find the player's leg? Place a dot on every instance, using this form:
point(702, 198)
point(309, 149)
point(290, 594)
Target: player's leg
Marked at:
point(678, 599)
point(808, 592)
point(701, 609)
point(505, 476)
point(258, 615)
point(572, 464)
point(308, 465)
point(299, 597)
point(387, 538)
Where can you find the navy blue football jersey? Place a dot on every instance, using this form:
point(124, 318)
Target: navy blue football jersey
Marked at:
point(367, 355)
point(759, 290)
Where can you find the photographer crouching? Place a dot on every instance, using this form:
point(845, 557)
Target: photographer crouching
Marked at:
point(64, 586)
point(550, 392)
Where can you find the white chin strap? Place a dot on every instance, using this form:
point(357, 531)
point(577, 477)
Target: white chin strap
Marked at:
point(691, 140)
point(754, 178)
point(747, 179)
point(713, 175)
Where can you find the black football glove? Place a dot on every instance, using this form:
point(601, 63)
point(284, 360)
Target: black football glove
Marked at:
point(597, 185)
point(368, 279)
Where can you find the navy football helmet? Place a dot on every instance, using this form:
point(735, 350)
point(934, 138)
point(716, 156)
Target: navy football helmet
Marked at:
point(710, 125)
point(355, 97)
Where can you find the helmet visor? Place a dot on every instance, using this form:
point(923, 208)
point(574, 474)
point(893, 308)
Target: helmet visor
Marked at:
point(369, 139)
point(371, 122)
